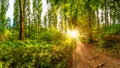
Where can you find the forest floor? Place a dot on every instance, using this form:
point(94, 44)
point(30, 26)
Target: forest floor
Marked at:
point(86, 56)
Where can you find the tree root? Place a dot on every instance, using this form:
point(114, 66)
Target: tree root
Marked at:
point(99, 65)
point(93, 58)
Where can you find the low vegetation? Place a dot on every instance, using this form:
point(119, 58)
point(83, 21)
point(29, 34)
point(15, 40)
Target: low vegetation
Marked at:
point(109, 40)
point(34, 54)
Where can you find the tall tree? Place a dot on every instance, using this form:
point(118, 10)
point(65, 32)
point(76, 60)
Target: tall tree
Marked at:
point(16, 19)
point(45, 21)
point(37, 10)
point(27, 18)
point(3, 19)
point(106, 20)
point(21, 5)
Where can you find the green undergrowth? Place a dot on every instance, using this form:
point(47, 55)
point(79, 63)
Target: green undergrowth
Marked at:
point(35, 54)
point(109, 40)
point(106, 38)
point(110, 49)
point(113, 29)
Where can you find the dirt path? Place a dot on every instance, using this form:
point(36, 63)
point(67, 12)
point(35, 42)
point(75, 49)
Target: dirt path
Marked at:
point(85, 56)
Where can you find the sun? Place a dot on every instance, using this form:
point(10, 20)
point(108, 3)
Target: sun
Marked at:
point(73, 33)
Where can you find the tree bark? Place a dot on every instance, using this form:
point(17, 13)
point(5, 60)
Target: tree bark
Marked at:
point(98, 21)
point(106, 13)
point(21, 20)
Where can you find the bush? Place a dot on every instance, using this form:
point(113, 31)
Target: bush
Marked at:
point(105, 37)
point(34, 54)
point(51, 35)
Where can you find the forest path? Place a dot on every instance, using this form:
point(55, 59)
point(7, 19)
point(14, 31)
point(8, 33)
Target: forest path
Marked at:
point(85, 56)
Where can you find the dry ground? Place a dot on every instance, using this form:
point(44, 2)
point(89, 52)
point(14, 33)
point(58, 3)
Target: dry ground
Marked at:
point(85, 56)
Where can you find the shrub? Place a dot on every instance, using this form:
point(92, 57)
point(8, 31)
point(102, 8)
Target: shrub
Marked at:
point(51, 35)
point(34, 54)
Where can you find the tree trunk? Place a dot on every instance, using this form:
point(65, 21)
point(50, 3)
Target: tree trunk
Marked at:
point(98, 21)
point(21, 20)
point(113, 16)
point(90, 29)
point(106, 13)
point(29, 28)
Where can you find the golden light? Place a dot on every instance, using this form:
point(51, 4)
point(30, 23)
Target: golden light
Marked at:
point(73, 33)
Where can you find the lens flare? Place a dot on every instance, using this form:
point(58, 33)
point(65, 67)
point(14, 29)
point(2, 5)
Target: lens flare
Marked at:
point(73, 33)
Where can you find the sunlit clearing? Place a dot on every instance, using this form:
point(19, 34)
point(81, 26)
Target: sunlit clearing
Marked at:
point(73, 33)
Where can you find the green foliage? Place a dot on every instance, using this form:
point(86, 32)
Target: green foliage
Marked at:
point(106, 40)
point(106, 44)
point(34, 54)
point(112, 29)
point(3, 20)
point(51, 35)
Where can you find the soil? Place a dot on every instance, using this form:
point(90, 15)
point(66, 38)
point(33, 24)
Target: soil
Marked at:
point(86, 56)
